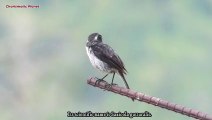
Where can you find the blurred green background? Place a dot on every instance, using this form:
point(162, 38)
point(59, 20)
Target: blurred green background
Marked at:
point(165, 44)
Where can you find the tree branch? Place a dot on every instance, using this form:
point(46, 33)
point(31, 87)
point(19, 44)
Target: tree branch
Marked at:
point(150, 100)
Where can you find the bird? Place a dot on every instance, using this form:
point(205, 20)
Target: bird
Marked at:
point(104, 58)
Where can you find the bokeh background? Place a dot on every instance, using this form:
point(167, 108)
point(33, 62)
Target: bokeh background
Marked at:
point(165, 44)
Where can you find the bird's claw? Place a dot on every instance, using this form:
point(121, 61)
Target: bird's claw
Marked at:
point(98, 81)
point(108, 86)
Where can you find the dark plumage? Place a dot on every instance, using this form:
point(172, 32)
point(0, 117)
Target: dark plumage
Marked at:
point(106, 54)
point(104, 58)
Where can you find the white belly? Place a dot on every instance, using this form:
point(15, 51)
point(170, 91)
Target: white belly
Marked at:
point(98, 63)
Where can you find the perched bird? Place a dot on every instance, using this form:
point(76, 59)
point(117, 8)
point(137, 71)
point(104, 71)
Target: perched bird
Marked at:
point(104, 58)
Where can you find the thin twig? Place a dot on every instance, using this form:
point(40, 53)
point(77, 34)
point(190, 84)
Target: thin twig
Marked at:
point(150, 100)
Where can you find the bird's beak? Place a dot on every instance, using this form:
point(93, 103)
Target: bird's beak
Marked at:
point(88, 44)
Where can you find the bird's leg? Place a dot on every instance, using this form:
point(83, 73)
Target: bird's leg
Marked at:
point(110, 85)
point(113, 79)
point(99, 80)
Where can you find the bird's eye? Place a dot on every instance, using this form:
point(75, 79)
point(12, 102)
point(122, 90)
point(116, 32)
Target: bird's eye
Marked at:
point(99, 37)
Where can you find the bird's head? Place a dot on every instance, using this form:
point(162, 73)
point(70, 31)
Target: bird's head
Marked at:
point(94, 39)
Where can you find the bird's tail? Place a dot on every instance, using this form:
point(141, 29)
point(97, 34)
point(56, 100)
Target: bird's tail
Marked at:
point(125, 82)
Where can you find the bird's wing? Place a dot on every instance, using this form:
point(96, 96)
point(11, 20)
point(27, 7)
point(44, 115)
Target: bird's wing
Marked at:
point(106, 54)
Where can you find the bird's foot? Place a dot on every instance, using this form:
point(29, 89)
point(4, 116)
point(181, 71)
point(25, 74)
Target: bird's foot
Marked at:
point(98, 81)
point(108, 86)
